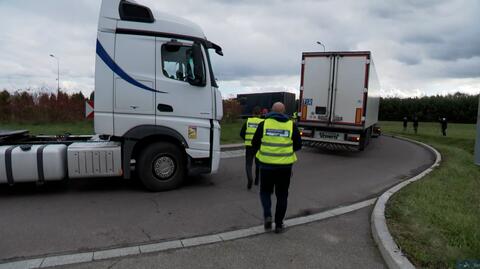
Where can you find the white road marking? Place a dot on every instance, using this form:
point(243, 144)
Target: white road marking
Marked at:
point(156, 247)
point(113, 253)
point(232, 154)
point(66, 259)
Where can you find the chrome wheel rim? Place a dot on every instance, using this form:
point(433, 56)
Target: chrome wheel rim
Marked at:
point(164, 167)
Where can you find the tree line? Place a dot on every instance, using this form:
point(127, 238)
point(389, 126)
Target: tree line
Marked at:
point(26, 107)
point(458, 107)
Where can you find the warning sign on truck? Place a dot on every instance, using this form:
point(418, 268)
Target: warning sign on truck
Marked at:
point(89, 109)
point(308, 101)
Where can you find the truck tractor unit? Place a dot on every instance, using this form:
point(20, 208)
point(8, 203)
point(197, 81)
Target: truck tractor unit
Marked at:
point(157, 108)
point(339, 98)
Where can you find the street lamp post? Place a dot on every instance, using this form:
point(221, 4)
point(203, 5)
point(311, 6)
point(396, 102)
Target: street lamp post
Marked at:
point(58, 73)
point(321, 44)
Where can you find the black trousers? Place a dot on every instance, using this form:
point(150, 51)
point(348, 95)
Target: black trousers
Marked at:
point(249, 157)
point(277, 179)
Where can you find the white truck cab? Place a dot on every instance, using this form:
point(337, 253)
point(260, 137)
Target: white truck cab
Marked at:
point(156, 99)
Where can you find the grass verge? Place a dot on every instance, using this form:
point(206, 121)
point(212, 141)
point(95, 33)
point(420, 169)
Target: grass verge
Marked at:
point(231, 132)
point(436, 221)
point(78, 128)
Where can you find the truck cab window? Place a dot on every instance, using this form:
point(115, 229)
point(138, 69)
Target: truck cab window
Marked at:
point(178, 63)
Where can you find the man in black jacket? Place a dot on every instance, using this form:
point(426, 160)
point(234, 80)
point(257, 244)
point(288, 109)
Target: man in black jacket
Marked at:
point(415, 124)
point(276, 140)
point(444, 124)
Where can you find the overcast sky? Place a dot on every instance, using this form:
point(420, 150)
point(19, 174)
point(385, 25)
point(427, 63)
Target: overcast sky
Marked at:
point(419, 47)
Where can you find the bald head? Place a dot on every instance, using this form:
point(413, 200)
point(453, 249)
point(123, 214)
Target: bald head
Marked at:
point(278, 107)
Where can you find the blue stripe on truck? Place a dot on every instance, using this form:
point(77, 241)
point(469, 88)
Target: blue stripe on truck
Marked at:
point(102, 53)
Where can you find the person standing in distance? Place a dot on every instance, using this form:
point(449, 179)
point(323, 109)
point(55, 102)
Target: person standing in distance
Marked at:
point(276, 140)
point(415, 124)
point(246, 133)
point(444, 124)
point(405, 122)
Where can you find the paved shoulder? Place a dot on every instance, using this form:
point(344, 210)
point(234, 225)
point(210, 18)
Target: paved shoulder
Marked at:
point(341, 242)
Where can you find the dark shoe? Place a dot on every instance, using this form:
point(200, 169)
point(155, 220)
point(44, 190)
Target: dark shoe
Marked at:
point(268, 223)
point(249, 185)
point(279, 228)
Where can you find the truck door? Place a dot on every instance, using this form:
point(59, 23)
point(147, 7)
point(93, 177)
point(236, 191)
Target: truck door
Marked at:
point(134, 82)
point(176, 96)
point(316, 86)
point(180, 105)
point(349, 89)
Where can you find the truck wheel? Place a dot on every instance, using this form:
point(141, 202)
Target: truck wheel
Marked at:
point(368, 136)
point(161, 167)
point(363, 142)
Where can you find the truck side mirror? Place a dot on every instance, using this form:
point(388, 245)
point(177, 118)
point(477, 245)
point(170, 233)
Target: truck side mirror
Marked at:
point(198, 78)
point(173, 46)
point(216, 47)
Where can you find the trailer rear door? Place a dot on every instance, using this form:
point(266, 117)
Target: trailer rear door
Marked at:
point(350, 89)
point(316, 77)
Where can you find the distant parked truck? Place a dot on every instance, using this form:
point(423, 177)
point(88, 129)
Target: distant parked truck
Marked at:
point(339, 98)
point(265, 102)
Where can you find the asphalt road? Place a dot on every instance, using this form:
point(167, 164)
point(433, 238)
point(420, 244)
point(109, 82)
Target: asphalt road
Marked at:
point(102, 213)
point(340, 242)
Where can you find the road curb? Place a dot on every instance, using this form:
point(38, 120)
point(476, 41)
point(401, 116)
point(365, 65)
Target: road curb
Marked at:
point(98, 255)
point(391, 253)
point(230, 147)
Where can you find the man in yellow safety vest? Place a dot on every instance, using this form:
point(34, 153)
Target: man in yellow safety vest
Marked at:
point(276, 140)
point(247, 132)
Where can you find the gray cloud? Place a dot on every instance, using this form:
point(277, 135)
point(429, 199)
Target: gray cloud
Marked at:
point(419, 42)
point(409, 59)
point(424, 38)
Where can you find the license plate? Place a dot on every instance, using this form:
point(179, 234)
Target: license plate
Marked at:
point(329, 135)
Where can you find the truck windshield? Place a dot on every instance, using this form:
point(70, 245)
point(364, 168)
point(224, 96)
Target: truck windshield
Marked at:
point(178, 64)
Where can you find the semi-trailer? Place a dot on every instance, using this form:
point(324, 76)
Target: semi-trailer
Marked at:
point(157, 108)
point(265, 101)
point(339, 98)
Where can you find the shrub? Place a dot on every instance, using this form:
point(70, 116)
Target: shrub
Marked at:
point(231, 110)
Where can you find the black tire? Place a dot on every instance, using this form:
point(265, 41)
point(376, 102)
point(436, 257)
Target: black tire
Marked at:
point(154, 167)
point(368, 136)
point(375, 133)
point(363, 142)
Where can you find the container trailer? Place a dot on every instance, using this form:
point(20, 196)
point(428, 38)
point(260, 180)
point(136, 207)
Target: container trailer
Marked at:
point(339, 98)
point(265, 101)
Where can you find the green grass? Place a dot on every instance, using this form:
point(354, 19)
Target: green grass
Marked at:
point(436, 221)
point(231, 133)
point(77, 128)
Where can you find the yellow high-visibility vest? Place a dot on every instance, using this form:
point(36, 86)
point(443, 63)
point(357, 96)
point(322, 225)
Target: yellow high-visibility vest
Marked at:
point(252, 124)
point(277, 143)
